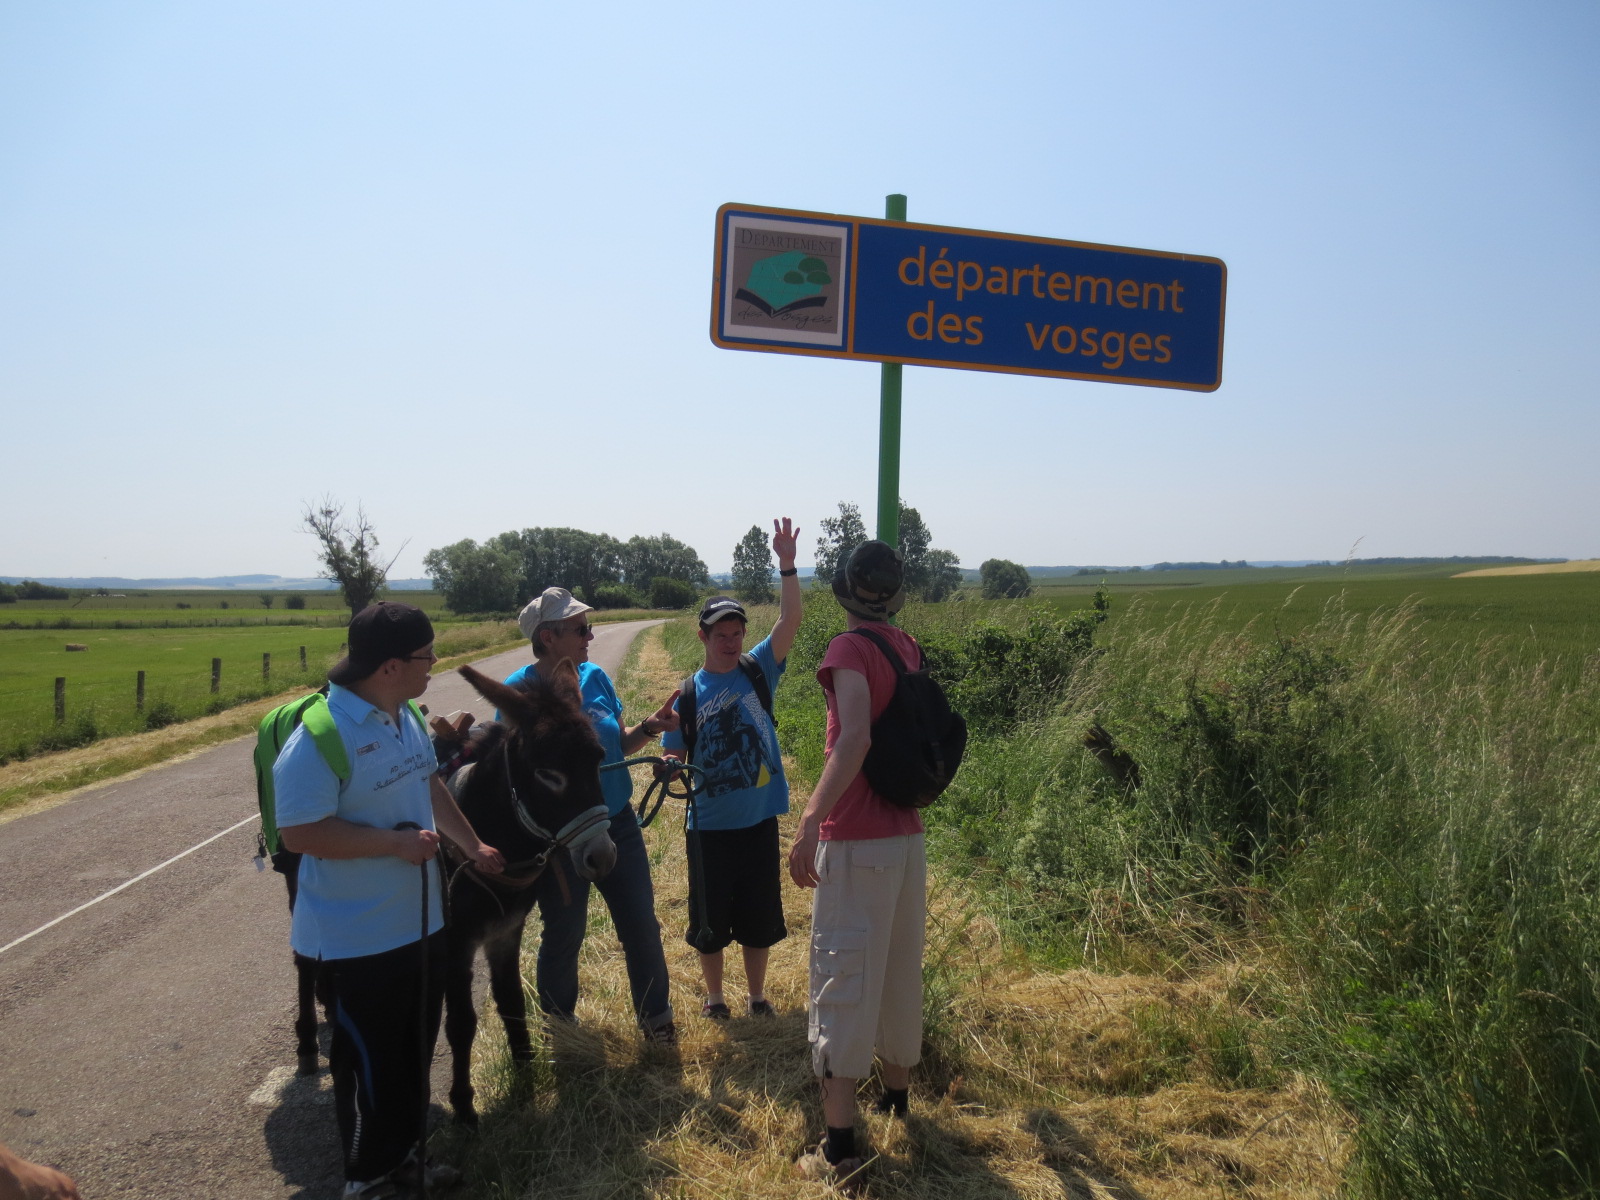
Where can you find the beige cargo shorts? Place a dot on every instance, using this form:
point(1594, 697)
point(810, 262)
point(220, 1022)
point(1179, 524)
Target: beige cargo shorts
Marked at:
point(867, 926)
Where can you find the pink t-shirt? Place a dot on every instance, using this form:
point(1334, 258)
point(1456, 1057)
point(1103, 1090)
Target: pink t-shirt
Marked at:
point(861, 813)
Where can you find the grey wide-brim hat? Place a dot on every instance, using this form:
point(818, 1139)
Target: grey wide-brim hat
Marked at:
point(870, 582)
point(552, 604)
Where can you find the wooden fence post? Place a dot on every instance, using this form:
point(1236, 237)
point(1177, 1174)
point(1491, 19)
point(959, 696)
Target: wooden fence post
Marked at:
point(138, 695)
point(216, 676)
point(302, 659)
point(266, 667)
point(61, 697)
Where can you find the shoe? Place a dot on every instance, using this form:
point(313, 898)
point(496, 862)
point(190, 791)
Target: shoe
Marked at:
point(382, 1188)
point(848, 1174)
point(435, 1176)
point(663, 1035)
point(716, 1012)
point(762, 1008)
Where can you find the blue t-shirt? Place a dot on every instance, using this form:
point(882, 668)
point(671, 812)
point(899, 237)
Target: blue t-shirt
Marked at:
point(736, 745)
point(350, 907)
point(604, 710)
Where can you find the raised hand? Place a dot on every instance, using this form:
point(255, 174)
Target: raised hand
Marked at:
point(784, 541)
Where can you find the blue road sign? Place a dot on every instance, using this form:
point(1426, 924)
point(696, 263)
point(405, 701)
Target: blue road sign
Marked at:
point(888, 291)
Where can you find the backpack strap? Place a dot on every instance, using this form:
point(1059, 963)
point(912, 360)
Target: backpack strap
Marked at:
point(758, 681)
point(889, 652)
point(318, 721)
point(422, 721)
point(687, 729)
point(688, 702)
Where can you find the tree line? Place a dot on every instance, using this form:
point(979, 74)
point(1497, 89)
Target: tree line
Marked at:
point(505, 571)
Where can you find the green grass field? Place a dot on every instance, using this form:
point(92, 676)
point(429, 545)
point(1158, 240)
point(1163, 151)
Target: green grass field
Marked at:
point(163, 609)
point(174, 648)
point(101, 681)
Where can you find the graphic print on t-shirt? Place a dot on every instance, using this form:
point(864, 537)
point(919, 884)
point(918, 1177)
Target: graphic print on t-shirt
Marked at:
point(730, 743)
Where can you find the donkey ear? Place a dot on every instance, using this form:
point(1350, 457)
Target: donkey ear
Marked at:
point(511, 703)
point(565, 683)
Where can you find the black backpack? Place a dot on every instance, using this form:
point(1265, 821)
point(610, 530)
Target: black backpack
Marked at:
point(918, 741)
point(688, 701)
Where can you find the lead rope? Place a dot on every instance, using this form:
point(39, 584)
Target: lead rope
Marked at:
point(424, 1050)
point(660, 790)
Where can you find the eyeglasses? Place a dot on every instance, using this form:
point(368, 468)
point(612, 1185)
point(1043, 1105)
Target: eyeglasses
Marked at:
point(429, 657)
point(583, 630)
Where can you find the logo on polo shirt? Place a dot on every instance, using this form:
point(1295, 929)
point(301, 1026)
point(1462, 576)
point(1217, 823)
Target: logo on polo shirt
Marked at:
point(367, 749)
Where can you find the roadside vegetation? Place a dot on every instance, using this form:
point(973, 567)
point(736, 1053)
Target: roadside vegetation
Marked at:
point(1336, 934)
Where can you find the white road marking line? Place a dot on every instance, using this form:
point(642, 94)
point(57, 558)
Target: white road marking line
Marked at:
point(130, 883)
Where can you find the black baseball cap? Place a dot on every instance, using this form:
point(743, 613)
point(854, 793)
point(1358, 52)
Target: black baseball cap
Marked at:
point(870, 582)
point(718, 607)
point(379, 632)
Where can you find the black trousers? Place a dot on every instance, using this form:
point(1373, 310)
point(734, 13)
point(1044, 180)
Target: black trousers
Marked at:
point(382, 1050)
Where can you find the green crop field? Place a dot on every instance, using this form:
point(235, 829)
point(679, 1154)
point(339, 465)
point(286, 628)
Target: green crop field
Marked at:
point(1550, 618)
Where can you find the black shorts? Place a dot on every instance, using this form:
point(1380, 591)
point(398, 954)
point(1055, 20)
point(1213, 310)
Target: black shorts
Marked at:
point(743, 897)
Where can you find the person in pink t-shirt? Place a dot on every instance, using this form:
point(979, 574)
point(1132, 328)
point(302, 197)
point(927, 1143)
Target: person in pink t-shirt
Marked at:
point(864, 856)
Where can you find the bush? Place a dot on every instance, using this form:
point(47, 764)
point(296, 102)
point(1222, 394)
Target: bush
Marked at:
point(295, 602)
point(8, 594)
point(1255, 748)
point(616, 595)
point(672, 593)
point(160, 713)
point(69, 734)
point(999, 675)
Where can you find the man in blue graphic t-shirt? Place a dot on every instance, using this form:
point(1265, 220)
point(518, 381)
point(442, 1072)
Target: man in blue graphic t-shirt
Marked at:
point(734, 878)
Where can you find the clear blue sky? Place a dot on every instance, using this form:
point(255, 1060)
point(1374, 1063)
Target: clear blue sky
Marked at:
point(252, 253)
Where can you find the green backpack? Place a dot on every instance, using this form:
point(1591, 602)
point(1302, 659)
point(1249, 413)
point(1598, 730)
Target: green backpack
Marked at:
point(312, 712)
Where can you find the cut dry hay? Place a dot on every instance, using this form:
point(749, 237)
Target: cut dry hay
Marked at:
point(1561, 568)
point(1061, 1085)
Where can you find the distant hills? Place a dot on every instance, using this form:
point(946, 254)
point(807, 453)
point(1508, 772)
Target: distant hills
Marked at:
point(278, 583)
point(221, 583)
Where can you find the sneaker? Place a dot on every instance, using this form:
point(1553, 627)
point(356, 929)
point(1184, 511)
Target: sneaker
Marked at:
point(663, 1035)
point(762, 1008)
point(436, 1176)
point(715, 1012)
point(848, 1174)
point(383, 1188)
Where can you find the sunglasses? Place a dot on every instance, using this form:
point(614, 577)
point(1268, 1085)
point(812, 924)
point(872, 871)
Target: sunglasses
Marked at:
point(583, 630)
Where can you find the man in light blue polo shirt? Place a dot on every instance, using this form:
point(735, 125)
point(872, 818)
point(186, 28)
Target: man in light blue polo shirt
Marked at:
point(359, 909)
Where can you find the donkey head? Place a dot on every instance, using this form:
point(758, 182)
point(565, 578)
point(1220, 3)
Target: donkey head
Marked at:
point(554, 761)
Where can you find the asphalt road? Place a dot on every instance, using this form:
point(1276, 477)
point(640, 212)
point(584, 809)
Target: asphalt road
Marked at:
point(145, 1042)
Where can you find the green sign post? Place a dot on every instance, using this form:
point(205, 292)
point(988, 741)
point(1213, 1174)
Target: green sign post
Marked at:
point(894, 208)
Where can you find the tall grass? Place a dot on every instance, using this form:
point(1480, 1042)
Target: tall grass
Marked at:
point(1404, 839)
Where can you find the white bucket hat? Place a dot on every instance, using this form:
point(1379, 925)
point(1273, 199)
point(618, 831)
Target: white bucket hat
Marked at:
point(552, 604)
